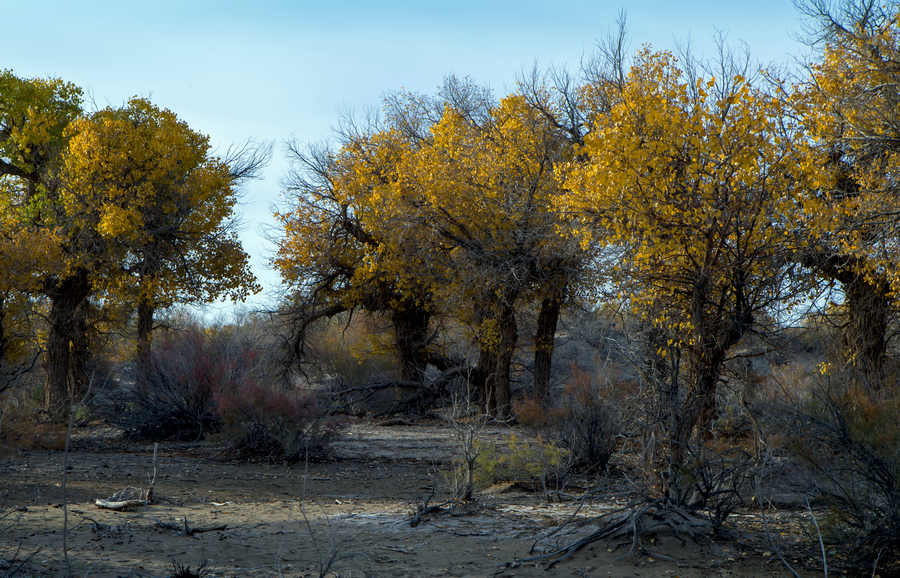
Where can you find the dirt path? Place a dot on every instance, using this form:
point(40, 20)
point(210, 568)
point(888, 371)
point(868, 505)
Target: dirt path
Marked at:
point(253, 518)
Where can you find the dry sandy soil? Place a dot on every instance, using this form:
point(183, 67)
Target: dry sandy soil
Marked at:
point(277, 520)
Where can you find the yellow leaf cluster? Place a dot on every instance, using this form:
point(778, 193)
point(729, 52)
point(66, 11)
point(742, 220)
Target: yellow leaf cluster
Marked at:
point(700, 191)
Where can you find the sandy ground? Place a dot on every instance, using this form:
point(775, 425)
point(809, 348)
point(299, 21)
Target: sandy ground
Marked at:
point(349, 516)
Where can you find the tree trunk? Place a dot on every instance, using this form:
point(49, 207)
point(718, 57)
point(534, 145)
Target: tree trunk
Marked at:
point(67, 348)
point(699, 406)
point(868, 308)
point(544, 343)
point(146, 311)
point(497, 393)
point(410, 340)
point(715, 333)
point(865, 333)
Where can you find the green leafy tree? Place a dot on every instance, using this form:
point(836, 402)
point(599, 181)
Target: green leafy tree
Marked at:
point(34, 119)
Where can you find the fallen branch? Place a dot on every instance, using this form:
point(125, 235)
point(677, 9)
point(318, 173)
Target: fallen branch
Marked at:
point(118, 506)
point(416, 519)
point(126, 499)
point(185, 529)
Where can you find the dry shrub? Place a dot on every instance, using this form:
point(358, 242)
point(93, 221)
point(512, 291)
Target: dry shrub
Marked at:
point(26, 431)
point(350, 350)
point(285, 426)
point(22, 424)
point(850, 435)
point(217, 380)
point(173, 397)
point(584, 421)
point(715, 480)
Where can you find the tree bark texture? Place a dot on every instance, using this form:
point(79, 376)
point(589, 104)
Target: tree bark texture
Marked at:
point(68, 350)
point(410, 325)
point(865, 332)
point(867, 306)
point(493, 373)
point(146, 310)
point(4, 338)
point(544, 344)
point(719, 324)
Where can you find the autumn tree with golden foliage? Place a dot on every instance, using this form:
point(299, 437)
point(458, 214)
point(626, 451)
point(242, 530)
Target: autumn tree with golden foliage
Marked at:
point(126, 205)
point(343, 250)
point(446, 208)
point(481, 190)
point(33, 136)
point(160, 209)
point(697, 182)
point(850, 108)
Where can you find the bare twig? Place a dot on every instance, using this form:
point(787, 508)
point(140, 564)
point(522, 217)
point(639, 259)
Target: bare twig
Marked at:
point(65, 503)
point(774, 547)
point(821, 543)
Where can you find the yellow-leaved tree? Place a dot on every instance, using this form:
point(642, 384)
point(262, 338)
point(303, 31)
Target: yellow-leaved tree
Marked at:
point(697, 182)
point(125, 205)
point(445, 209)
point(851, 109)
point(34, 116)
point(345, 248)
point(160, 208)
point(479, 190)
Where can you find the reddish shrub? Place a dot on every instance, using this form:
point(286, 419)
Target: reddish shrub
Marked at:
point(584, 421)
point(199, 382)
point(275, 425)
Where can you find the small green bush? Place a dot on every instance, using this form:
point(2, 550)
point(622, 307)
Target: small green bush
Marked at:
point(523, 459)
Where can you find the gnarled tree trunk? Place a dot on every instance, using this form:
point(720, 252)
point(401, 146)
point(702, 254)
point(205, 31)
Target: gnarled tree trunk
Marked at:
point(410, 324)
point(493, 372)
point(717, 328)
point(67, 349)
point(146, 310)
point(868, 308)
point(865, 331)
point(545, 342)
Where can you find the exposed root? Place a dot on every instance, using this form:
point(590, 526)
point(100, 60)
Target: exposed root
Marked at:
point(630, 526)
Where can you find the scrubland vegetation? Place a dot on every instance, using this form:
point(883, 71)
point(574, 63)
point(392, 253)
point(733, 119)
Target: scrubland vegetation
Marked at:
point(672, 273)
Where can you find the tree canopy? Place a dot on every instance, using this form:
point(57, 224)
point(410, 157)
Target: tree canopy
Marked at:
point(125, 206)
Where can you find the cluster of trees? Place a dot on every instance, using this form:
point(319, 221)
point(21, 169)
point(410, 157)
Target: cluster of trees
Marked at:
point(105, 217)
point(448, 207)
point(715, 200)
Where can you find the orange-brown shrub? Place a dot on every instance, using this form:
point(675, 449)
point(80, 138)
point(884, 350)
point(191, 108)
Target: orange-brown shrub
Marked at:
point(584, 420)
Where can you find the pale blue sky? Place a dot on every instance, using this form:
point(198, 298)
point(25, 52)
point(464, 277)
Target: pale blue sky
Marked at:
point(272, 69)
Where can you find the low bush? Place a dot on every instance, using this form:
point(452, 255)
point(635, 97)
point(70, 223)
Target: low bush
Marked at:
point(523, 459)
point(584, 422)
point(173, 392)
point(272, 425)
point(851, 437)
point(199, 382)
point(22, 424)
